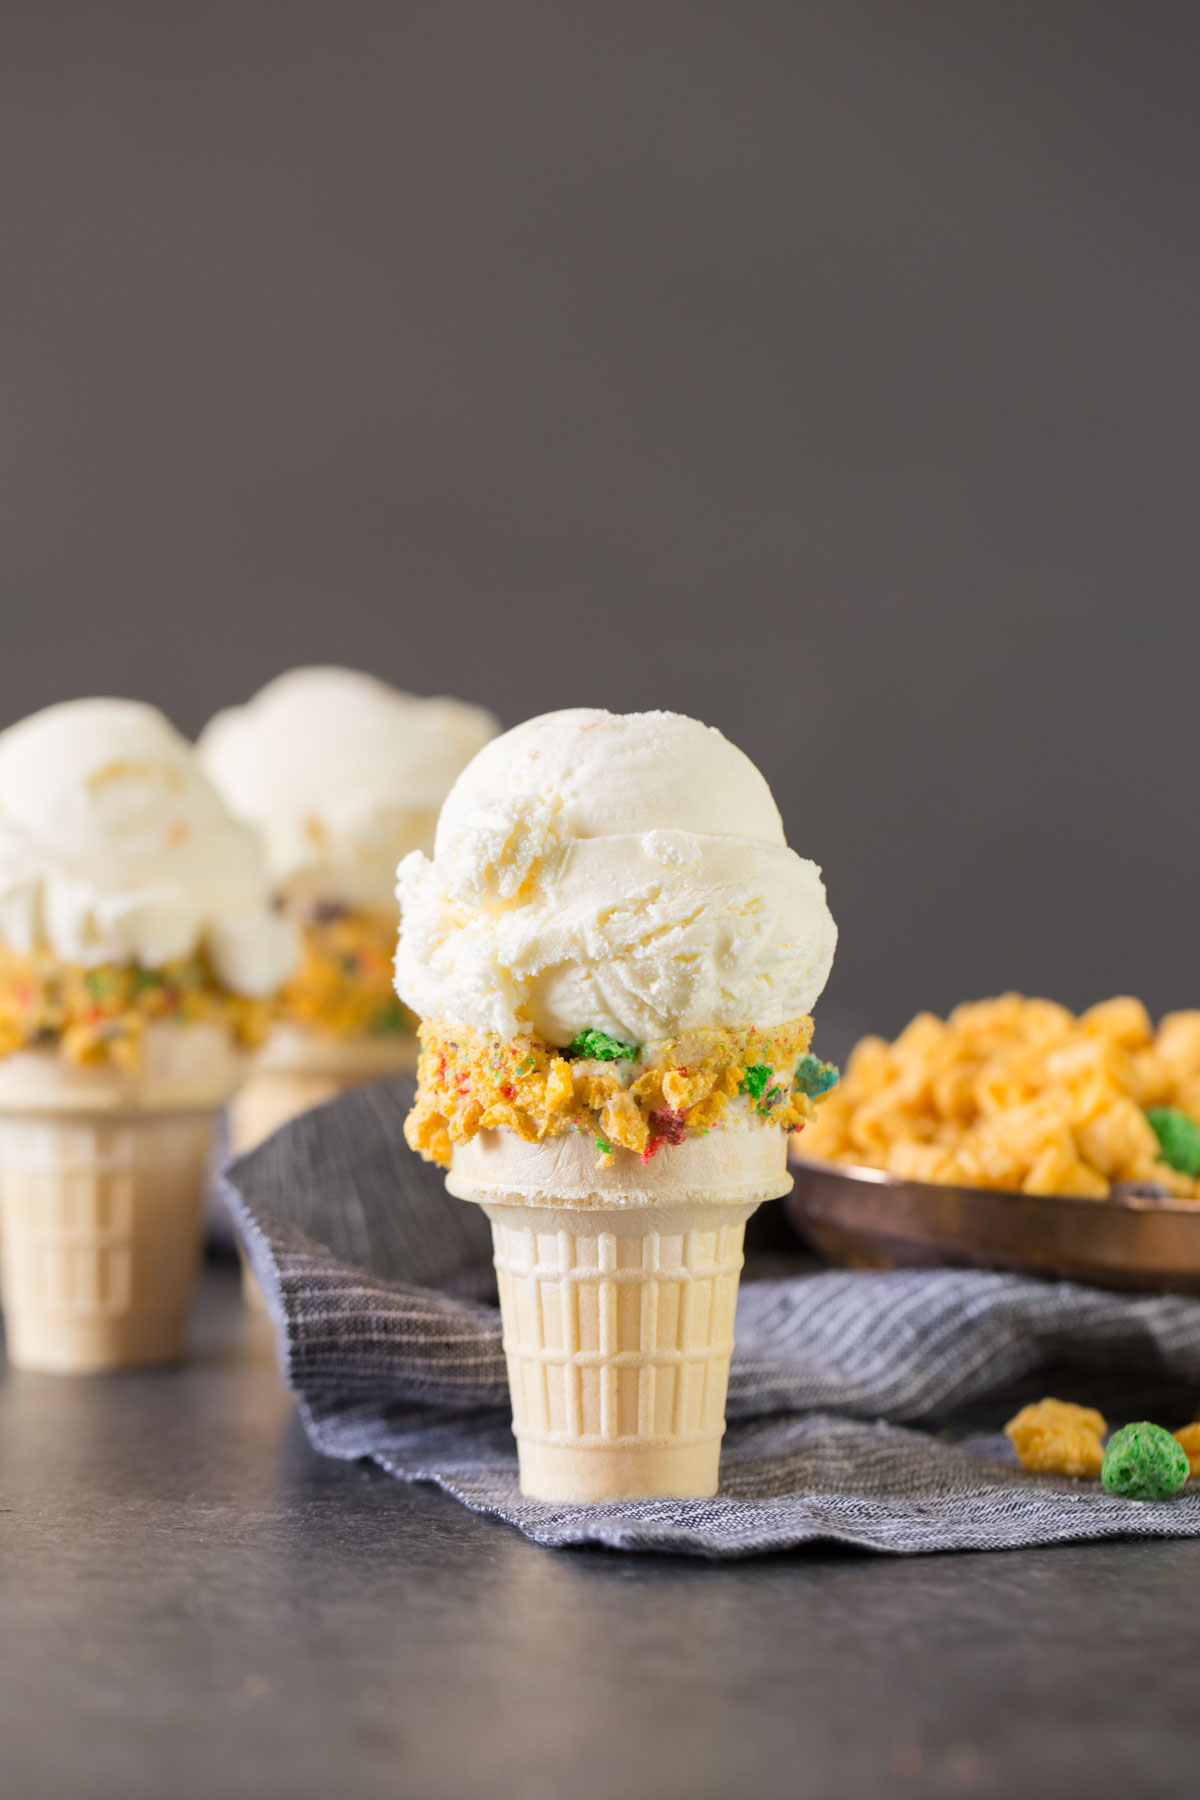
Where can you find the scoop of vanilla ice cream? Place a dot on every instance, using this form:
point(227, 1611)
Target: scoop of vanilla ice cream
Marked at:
point(626, 872)
point(341, 775)
point(114, 847)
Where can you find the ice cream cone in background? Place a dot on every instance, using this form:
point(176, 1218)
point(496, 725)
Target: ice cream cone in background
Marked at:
point(342, 776)
point(101, 1190)
point(138, 955)
point(614, 953)
point(297, 1070)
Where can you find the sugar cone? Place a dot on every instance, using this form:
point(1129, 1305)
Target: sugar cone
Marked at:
point(296, 1071)
point(617, 1292)
point(101, 1190)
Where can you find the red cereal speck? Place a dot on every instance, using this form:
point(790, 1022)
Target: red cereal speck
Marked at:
point(669, 1124)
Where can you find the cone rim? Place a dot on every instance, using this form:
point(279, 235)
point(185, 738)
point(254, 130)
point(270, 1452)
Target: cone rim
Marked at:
point(501, 1171)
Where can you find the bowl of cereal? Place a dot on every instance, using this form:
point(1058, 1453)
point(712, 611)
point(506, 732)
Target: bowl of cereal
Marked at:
point(1014, 1135)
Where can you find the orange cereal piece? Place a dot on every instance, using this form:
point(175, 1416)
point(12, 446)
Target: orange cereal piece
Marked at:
point(1055, 1437)
point(1178, 1041)
point(1189, 1438)
point(560, 1087)
point(1124, 1020)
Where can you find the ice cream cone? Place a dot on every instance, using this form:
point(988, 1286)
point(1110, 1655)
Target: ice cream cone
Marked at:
point(300, 1069)
point(614, 955)
point(618, 1287)
point(101, 1188)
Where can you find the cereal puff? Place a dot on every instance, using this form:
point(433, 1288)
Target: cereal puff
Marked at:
point(1144, 1462)
point(1055, 1437)
point(1188, 1437)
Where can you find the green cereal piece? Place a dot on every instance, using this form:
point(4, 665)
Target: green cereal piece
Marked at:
point(603, 1146)
point(1144, 1462)
point(603, 1048)
point(755, 1079)
point(1178, 1139)
point(814, 1077)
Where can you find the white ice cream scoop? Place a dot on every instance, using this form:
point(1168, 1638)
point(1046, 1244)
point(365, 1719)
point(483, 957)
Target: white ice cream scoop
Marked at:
point(114, 847)
point(620, 871)
point(342, 775)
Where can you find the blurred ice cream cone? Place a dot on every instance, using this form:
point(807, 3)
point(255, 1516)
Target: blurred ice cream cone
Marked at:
point(101, 1190)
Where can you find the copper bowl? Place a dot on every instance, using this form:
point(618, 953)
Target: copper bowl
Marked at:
point(868, 1220)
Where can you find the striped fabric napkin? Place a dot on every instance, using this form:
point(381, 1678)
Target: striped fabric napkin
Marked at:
point(864, 1409)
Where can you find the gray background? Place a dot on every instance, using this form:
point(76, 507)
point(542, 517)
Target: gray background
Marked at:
point(829, 372)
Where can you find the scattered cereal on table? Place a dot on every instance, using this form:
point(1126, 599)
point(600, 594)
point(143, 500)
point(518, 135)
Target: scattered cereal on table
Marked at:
point(1189, 1439)
point(1144, 1462)
point(1055, 1437)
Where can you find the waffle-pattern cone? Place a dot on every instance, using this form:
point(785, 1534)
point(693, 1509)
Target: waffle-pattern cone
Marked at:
point(101, 1191)
point(618, 1289)
point(299, 1070)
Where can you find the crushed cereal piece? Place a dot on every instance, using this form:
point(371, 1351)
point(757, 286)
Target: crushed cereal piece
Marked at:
point(603, 1048)
point(1144, 1462)
point(560, 1087)
point(814, 1077)
point(755, 1079)
point(680, 1089)
point(668, 1125)
point(622, 1120)
point(343, 986)
point(1055, 1437)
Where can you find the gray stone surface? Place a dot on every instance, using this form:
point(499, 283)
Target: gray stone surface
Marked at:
point(192, 1604)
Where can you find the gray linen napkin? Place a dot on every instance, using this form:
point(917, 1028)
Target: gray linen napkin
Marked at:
point(864, 1409)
